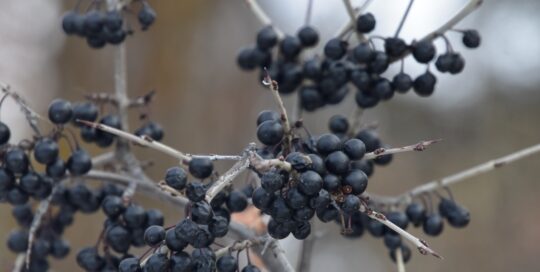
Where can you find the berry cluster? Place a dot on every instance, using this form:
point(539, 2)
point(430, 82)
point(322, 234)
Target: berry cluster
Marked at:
point(327, 178)
point(100, 27)
point(35, 170)
point(324, 80)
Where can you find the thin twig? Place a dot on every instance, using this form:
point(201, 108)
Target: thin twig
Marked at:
point(460, 15)
point(421, 146)
point(31, 116)
point(36, 222)
point(263, 17)
point(273, 85)
point(240, 245)
point(356, 121)
point(420, 244)
point(402, 22)
point(458, 177)
point(399, 260)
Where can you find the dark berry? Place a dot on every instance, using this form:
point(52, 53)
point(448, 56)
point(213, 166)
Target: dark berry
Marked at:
point(423, 51)
point(7, 180)
point(331, 182)
point(471, 38)
point(398, 218)
point(366, 100)
point(335, 49)
point(195, 191)
point(56, 169)
point(310, 183)
point(310, 98)
point(317, 164)
point(357, 180)
point(174, 242)
point(227, 263)
point(424, 85)
point(18, 241)
point(312, 69)
point(154, 217)
point(350, 204)
point(392, 240)
point(433, 224)
point(79, 163)
point(365, 165)
point(119, 238)
point(402, 82)
point(17, 196)
point(302, 230)
point(290, 47)
point(154, 235)
point(416, 213)
point(71, 22)
point(395, 47)
point(267, 38)
point(180, 262)
point(237, 201)
point(246, 59)
point(298, 161)
point(134, 216)
point(130, 265)
point(270, 132)
point(59, 248)
point(383, 89)
point(45, 151)
point(16, 160)
point(86, 111)
point(328, 143)
point(365, 23)
point(5, 133)
point(113, 206)
point(89, 259)
point(201, 212)
point(405, 253)
point(157, 262)
point(272, 180)
point(146, 16)
point(363, 53)
point(176, 177)
point(250, 268)
point(219, 226)
point(379, 63)
point(267, 115)
point(262, 198)
point(338, 124)
point(337, 163)
point(308, 36)
point(201, 167)
point(376, 228)
point(30, 182)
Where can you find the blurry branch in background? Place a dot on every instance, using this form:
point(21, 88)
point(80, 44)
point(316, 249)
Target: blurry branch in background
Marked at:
point(399, 260)
point(263, 17)
point(431, 186)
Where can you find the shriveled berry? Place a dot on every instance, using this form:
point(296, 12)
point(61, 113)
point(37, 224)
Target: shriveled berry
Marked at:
point(195, 191)
point(176, 177)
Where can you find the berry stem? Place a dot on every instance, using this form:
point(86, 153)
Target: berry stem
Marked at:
point(402, 22)
point(421, 146)
point(308, 12)
point(273, 85)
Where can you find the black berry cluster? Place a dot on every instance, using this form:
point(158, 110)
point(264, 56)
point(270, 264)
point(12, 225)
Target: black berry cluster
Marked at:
point(324, 79)
point(327, 178)
point(100, 27)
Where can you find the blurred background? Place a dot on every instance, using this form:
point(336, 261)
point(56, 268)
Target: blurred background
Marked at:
point(208, 105)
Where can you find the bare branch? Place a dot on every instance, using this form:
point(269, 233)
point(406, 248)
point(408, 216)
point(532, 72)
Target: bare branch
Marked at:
point(227, 178)
point(240, 245)
point(36, 222)
point(458, 177)
point(420, 244)
point(421, 146)
point(263, 17)
point(31, 116)
point(460, 15)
